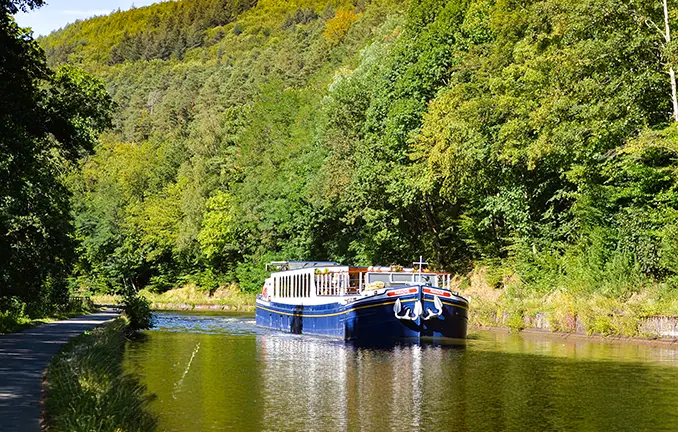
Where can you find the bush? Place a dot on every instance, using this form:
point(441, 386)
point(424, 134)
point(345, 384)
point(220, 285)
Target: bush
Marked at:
point(138, 312)
point(252, 273)
point(162, 283)
point(12, 314)
point(210, 281)
point(12, 306)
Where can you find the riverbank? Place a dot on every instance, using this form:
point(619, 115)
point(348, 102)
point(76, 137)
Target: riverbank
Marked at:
point(15, 319)
point(85, 387)
point(647, 314)
point(190, 297)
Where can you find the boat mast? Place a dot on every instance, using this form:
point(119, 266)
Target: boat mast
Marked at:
point(421, 264)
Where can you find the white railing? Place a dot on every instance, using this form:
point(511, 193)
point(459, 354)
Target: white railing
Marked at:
point(308, 283)
point(445, 280)
point(331, 284)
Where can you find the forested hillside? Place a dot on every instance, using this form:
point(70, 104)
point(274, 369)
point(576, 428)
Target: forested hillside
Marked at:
point(533, 137)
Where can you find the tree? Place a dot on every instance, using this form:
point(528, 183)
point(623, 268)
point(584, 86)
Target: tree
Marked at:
point(48, 119)
point(672, 74)
point(10, 7)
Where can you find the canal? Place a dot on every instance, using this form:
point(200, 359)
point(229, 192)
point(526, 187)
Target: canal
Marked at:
point(220, 372)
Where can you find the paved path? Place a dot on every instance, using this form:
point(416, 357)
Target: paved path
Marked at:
point(23, 358)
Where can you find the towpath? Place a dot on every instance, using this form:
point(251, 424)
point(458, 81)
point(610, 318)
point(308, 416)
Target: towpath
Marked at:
point(23, 358)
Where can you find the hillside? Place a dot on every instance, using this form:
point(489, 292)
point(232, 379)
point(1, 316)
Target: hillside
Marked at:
point(534, 140)
point(201, 134)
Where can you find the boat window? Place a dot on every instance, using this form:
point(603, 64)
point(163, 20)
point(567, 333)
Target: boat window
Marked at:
point(402, 277)
point(379, 277)
point(430, 279)
point(395, 279)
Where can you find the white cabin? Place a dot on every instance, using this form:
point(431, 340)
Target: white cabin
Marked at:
point(311, 282)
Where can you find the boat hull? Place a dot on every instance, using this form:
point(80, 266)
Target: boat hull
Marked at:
point(372, 319)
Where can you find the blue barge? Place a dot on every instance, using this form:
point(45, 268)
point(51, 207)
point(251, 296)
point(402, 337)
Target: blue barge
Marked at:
point(366, 304)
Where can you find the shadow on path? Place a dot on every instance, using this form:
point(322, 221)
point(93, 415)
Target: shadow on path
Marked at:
point(23, 358)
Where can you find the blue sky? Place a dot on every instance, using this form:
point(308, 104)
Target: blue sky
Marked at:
point(57, 13)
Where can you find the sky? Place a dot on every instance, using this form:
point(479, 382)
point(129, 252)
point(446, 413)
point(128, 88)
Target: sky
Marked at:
point(57, 13)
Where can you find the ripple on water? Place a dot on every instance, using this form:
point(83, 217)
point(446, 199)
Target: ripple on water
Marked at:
point(205, 323)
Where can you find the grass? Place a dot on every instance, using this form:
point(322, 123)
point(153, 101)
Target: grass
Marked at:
point(512, 304)
point(15, 321)
point(11, 324)
point(87, 390)
point(106, 299)
point(190, 296)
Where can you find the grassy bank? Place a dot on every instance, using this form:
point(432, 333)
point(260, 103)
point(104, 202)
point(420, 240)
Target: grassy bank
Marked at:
point(191, 297)
point(14, 318)
point(509, 303)
point(86, 388)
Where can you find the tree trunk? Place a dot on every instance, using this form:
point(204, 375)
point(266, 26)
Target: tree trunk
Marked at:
point(672, 73)
point(433, 227)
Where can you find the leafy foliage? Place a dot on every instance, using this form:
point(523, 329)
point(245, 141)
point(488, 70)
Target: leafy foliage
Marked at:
point(48, 119)
point(337, 27)
point(138, 312)
point(535, 136)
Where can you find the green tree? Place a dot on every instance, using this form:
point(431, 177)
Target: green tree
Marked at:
point(47, 121)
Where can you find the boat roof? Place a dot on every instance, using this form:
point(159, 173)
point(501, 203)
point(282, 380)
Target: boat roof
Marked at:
point(296, 265)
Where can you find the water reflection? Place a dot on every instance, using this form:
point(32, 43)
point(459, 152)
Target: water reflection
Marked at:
point(304, 383)
point(221, 372)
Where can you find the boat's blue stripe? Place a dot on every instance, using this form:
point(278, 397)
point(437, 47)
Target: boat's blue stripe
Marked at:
point(352, 308)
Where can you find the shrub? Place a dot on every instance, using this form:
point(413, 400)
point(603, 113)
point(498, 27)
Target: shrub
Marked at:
point(12, 314)
point(138, 312)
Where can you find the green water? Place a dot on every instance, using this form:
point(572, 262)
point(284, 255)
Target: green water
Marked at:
point(220, 372)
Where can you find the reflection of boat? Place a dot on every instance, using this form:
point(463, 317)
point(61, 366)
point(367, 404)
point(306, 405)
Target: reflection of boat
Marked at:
point(361, 303)
point(311, 384)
